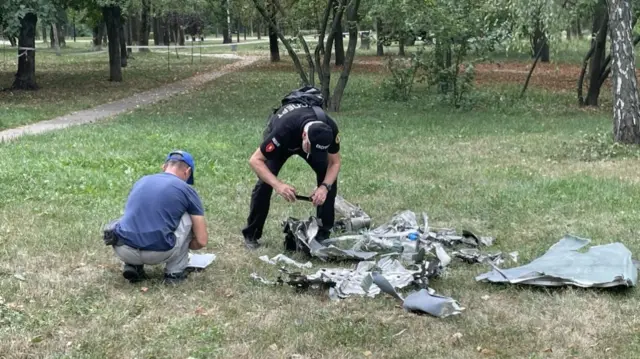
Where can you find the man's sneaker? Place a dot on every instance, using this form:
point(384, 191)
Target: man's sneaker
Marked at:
point(175, 278)
point(134, 273)
point(251, 244)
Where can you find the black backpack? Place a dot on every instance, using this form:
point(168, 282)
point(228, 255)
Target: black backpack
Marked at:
point(307, 95)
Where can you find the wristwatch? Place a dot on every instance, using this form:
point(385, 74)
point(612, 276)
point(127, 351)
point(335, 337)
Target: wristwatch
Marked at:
point(328, 186)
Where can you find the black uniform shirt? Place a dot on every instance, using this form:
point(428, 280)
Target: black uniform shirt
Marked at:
point(286, 131)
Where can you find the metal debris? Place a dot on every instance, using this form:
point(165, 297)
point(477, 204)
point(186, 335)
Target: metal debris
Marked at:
point(358, 281)
point(256, 277)
point(563, 264)
point(399, 253)
point(285, 259)
point(353, 218)
point(422, 301)
point(473, 255)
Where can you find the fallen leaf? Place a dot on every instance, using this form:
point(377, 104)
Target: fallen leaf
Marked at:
point(228, 294)
point(273, 347)
point(548, 350)
point(144, 289)
point(20, 277)
point(368, 353)
point(199, 310)
point(607, 349)
point(36, 339)
point(485, 297)
point(69, 344)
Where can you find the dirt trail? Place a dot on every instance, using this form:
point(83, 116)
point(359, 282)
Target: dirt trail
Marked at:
point(111, 109)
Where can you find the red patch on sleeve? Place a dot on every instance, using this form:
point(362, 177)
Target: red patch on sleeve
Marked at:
point(270, 147)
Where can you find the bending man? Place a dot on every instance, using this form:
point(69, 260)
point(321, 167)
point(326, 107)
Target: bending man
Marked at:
point(299, 127)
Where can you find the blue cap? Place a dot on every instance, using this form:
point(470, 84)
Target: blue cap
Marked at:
point(185, 157)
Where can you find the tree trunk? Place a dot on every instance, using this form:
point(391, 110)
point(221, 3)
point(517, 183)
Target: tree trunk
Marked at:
point(352, 21)
point(44, 33)
point(98, 34)
point(539, 41)
point(401, 47)
point(144, 26)
point(259, 29)
point(596, 64)
point(123, 46)
point(273, 35)
point(326, 69)
point(130, 33)
point(166, 30)
point(380, 46)
point(226, 36)
point(26, 75)
point(157, 34)
point(173, 30)
point(339, 44)
point(112, 18)
point(61, 35)
point(52, 38)
point(626, 105)
point(238, 30)
point(54, 32)
point(181, 36)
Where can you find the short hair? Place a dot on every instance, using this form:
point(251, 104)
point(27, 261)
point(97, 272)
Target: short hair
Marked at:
point(181, 164)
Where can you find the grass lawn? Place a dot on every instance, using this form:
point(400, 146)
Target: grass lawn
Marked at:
point(76, 81)
point(509, 169)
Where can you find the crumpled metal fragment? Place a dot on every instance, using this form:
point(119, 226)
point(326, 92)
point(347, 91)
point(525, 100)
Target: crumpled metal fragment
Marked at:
point(256, 277)
point(358, 281)
point(351, 217)
point(300, 236)
point(422, 301)
point(563, 264)
point(473, 255)
point(285, 259)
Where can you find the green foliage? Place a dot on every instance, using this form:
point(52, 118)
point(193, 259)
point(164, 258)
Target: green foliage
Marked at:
point(14, 10)
point(598, 146)
point(403, 71)
point(463, 32)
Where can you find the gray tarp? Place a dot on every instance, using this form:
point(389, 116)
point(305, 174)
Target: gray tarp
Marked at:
point(563, 264)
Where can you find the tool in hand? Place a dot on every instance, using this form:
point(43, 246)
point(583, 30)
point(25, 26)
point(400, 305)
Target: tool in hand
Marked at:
point(304, 198)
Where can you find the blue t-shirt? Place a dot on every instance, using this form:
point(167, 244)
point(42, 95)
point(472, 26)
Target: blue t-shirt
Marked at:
point(153, 211)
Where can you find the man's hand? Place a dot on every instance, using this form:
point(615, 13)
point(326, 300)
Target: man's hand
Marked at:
point(287, 192)
point(319, 196)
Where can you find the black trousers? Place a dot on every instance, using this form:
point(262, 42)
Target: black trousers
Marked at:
point(261, 198)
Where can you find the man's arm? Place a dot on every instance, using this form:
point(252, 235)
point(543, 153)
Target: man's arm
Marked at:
point(259, 166)
point(333, 167)
point(199, 228)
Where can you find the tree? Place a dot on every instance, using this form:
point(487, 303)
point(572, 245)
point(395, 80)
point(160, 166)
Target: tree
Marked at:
point(19, 19)
point(323, 50)
point(599, 65)
point(626, 104)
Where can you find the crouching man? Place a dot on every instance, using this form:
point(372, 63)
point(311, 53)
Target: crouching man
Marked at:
point(163, 218)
